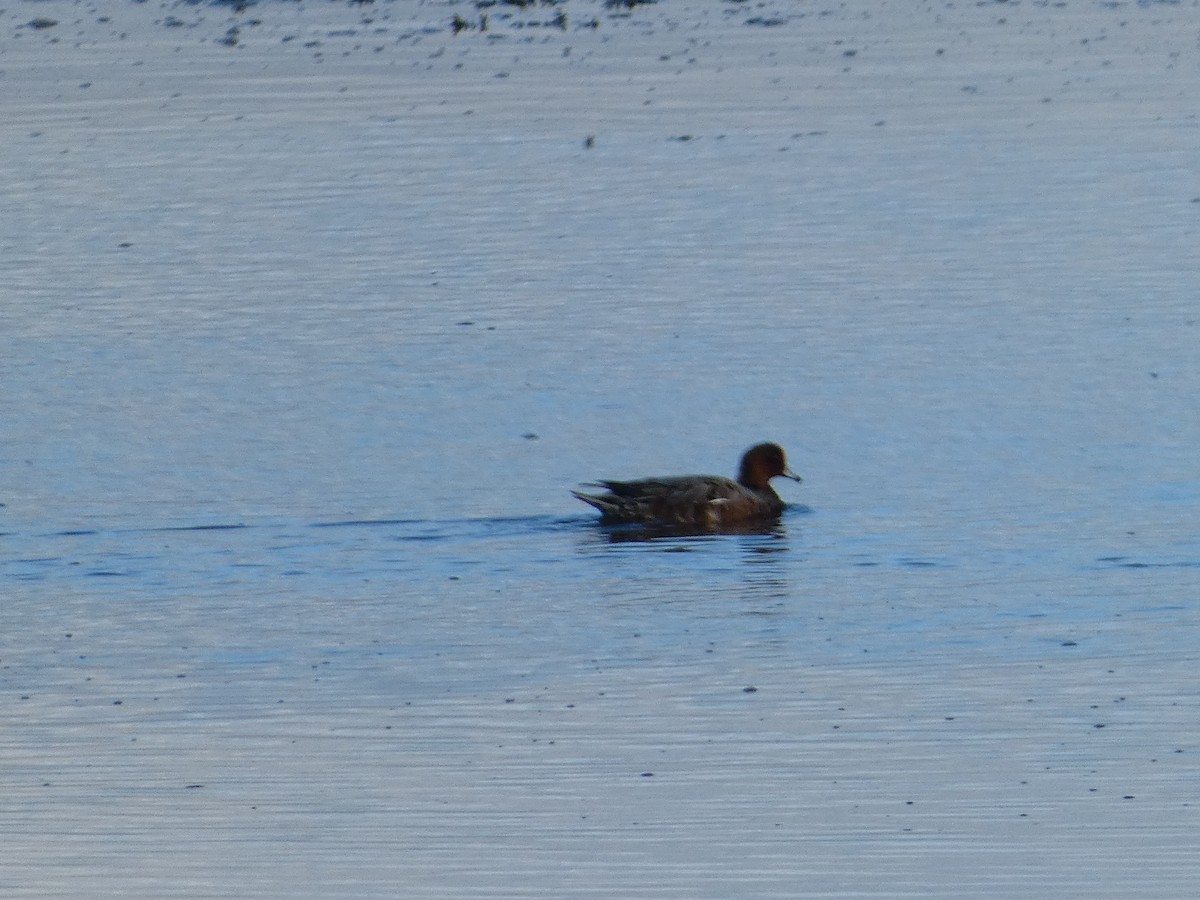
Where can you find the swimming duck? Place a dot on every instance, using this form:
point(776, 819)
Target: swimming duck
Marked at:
point(707, 501)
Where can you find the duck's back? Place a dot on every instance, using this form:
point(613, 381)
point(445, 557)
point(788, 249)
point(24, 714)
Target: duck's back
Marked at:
point(692, 488)
point(705, 500)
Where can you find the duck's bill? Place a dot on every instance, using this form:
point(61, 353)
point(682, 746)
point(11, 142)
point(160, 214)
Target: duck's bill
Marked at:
point(788, 473)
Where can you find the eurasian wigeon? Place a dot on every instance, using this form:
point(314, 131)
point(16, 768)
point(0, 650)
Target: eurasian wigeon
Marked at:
point(706, 501)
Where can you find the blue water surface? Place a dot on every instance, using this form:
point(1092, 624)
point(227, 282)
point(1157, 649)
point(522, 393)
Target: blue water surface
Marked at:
point(306, 338)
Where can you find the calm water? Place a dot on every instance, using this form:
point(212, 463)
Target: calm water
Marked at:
point(305, 340)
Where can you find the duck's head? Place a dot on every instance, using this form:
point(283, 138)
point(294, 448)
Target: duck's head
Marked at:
point(761, 463)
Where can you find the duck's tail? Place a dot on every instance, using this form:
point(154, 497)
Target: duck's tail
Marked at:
point(606, 507)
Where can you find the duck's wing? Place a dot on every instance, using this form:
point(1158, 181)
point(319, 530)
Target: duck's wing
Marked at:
point(691, 499)
point(684, 488)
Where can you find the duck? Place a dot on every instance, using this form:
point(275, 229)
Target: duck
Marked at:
point(698, 501)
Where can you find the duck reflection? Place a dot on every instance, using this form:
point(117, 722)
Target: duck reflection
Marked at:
point(750, 560)
point(658, 532)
